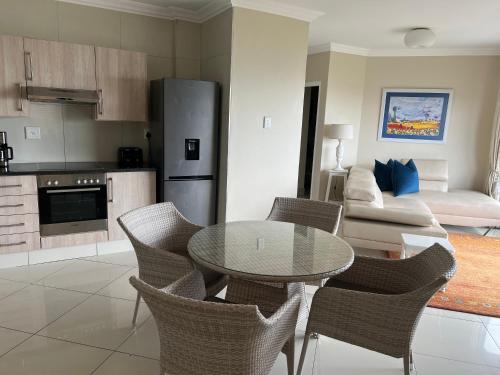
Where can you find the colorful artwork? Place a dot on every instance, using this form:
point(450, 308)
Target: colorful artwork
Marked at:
point(414, 115)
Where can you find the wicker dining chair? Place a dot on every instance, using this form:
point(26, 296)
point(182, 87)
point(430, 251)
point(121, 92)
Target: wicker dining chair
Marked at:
point(268, 296)
point(159, 234)
point(377, 303)
point(203, 338)
point(316, 214)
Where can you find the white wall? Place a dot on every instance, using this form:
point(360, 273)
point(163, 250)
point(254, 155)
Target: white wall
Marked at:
point(475, 81)
point(268, 67)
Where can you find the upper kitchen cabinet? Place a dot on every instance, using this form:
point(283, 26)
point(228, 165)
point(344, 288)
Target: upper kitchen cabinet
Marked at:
point(59, 65)
point(12, 82)
point(121, 84)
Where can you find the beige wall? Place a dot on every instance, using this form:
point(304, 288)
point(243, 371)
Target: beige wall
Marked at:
point(268, 67)
point(475, 83)
point(68, 131)
point(216, 66)
point(318, 69)
point(342, 78)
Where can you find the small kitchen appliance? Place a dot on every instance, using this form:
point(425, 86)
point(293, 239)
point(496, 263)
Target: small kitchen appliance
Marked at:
point(6, 152)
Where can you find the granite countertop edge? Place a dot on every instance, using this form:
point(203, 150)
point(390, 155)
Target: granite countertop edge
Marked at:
point(35, 169)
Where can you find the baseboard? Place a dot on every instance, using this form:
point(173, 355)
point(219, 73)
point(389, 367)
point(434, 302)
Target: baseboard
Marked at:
point(62, 253)
point(112, 247)
point(14, 260)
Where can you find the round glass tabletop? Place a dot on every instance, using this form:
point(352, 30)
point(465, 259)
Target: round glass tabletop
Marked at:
point(270, 251)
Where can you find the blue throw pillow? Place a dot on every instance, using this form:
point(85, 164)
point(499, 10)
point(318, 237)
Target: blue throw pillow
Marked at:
point(404, 178)
point(383, 175)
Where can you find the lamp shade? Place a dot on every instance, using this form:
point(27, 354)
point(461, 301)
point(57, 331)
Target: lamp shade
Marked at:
point(420, 38)
point(340, 131)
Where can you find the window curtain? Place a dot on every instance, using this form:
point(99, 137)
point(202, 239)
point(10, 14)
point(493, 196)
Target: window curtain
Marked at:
point(493, 184)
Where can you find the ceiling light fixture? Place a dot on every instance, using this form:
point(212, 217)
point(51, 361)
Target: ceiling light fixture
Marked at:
point(421, 37)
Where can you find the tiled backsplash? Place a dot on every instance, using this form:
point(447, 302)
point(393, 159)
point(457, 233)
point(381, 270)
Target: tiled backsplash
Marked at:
point(69, 133)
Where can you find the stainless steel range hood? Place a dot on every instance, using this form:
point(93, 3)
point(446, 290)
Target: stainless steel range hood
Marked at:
point(54, 95)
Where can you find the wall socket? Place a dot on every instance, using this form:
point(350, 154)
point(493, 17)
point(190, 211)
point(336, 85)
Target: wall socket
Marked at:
point(268, 122)
point(32, 132)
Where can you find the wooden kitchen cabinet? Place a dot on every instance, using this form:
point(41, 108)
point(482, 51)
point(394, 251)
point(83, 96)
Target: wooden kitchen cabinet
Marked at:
point(121, 84)
point(12, 81)
point(127, 191)
point(59, 64)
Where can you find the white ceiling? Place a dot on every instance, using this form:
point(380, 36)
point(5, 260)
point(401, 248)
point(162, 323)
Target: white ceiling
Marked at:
point(381, 24)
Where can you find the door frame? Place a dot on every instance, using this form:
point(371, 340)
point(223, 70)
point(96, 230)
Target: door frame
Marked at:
point(315, 175)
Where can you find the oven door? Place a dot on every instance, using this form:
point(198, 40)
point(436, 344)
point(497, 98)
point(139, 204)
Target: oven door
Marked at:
point(66, 210)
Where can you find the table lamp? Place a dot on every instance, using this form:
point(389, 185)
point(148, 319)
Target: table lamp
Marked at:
point(340, 132)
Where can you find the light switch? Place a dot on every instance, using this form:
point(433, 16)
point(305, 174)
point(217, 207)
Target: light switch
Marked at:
point(32, 132)
point(268, 122)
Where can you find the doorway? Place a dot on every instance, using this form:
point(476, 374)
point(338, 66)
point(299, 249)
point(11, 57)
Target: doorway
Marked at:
point(308, 135)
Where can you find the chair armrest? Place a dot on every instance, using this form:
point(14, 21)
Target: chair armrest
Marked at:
point(191, 286)
point(280, 327)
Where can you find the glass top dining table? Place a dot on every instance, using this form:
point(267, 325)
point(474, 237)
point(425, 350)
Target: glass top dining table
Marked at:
point(270, 251)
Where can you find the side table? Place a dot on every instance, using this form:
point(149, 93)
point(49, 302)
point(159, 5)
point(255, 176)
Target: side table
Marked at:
point(337, 190)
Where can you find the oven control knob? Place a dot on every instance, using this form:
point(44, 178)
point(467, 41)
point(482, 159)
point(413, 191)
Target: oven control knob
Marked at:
point(97, 181)
point(84, 181)
point(56, 182)
point(78, 182)
point(91, 181)
point(49, 183)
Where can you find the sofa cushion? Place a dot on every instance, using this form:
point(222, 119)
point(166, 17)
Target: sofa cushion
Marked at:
point(361, 185)
point(460, 203)
point(403, 211)
point(383, 175)
point(404, 178)
point(432, 173)
point(383, 232)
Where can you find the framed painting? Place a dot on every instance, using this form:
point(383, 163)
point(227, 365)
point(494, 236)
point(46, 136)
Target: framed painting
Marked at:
point(415, 115)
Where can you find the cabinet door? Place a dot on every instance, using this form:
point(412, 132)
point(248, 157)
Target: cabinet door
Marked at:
point(12, 81)
point(127, 191)
point(59, 65)
point(122, 85)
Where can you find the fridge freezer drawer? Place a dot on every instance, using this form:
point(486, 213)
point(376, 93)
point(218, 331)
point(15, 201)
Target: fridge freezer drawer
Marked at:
point(195, 199)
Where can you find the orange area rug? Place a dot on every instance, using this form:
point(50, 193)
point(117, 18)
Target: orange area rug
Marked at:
point(475, 288)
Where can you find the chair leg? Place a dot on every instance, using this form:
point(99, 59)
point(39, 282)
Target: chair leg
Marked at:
point(406, 360)
point(303, 352)
point(290, 355)
point(136, 310)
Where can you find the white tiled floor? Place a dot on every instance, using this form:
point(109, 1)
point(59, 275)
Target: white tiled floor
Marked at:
point(74, 317)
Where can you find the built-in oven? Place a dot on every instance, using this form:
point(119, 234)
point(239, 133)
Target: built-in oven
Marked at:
point(72, 203)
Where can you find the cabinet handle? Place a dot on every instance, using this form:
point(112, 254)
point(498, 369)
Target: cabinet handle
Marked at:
point(28, 66)
point(110, 190)
point(100, 102)
point(12, 225)
point(13, 244)
point(10, 186)
point(20, 105)
point(12, 205)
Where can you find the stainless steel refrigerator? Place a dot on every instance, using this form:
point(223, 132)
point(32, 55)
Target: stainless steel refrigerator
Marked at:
point(184, 128)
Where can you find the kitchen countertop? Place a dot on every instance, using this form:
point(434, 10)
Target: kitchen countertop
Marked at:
point(16, 169)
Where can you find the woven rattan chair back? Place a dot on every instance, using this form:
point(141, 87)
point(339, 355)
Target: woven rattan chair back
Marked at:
point(159, 235)
point(320, 215)
point(199, 337)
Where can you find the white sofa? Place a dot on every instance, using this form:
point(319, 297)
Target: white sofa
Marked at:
point(375, 220)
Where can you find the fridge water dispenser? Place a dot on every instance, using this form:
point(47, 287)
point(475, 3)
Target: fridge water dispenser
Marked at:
point(192, 149)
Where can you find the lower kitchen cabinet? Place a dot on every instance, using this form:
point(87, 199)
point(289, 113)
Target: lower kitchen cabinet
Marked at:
point(21, 242)
point(127, 191)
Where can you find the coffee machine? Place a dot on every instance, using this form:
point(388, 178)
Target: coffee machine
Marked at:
point(6, 152)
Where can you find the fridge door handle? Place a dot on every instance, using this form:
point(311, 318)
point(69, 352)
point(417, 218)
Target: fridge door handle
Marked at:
point(191, 178)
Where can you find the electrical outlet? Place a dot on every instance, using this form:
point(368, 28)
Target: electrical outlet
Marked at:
point(32, 132)
point(268, 123)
